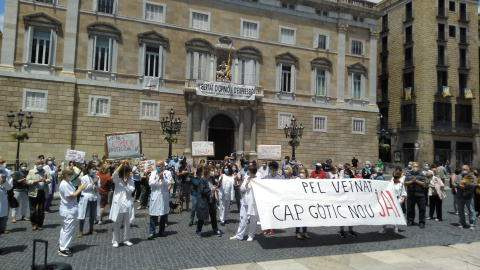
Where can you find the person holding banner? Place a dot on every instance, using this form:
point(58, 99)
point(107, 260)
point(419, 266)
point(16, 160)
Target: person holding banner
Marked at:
point(248, 210)
point(159, 182)
point(121, 212)
point(302, 174)
point(287, 172)
point(272, 174)
point(89, 200)
point(206, 202)
point(416, 185)
point(105, 187)
point(400, 195)
point(318, 173)
point(226, 192)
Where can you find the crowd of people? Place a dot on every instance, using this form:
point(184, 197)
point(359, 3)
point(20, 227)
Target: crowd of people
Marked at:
point(86, 189)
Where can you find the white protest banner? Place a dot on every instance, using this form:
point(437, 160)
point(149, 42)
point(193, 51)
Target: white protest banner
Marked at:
point(77, 156)
point(269, 152)
point(124, 144)
point(150, 83)
point(225, 90)
point(203, 149)
point(147, 166)
point(325, 202)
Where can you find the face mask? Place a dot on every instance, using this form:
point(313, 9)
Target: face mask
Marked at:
point(248, 174)
point(301, 166)
point(317, 168)
point(286, 160)
point(93, 172)
point(40, 167)
point(464, 173)
point(49, 163)
point(159, 170)
point(212, 173)
point(23, 168)
point(245, 166)
point(225, 171)
point(426, 168)
point(175, 158)
point(264, 166)
point(234, 169)
point(2, 166)
point(43, 159)
point(95, 158)
point(72, 177)
point(270, 171)
point(303, 176)
point(409, 166)
point(115, 164)
point(367, 166)
point(286, 172)
point(415, 170)
point(374, 175)
point(346, 176)
point(218, 165)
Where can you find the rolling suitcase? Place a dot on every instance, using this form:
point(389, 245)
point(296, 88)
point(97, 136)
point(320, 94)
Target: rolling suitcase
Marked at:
point(49, 266)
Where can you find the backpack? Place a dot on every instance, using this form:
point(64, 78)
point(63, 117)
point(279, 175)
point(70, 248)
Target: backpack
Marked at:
point(468, 192)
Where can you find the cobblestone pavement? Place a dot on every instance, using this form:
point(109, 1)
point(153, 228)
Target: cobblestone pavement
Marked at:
point(182, 249)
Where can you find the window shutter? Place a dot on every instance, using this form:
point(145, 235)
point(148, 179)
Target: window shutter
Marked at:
point(115, 7)
point(28, 43)
point(414, 113)
point(249, 72)
point(327, 41)
point(449, 112)
point(141, 59)
point(435, 112)
point(95, 5)
point(313, 81)
point(92, 48)
point(241, 75)
point(257, 73)
point(188, 74)
point(279, 77)
point(315, 40)
point(350, 86)
point(292, 79)
point(195, 65)
point(53, 45)
point(160, 61)
point(327, 83)
point(457, 113)
point(363, 86)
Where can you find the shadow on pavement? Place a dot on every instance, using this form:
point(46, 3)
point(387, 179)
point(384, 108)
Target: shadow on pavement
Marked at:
point(20, 248)
point(82, 247)
point(51, 226)
point(18, 230)
point(319, 240)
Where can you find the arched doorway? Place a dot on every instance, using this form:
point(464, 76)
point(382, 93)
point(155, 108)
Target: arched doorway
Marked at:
point(221, 130)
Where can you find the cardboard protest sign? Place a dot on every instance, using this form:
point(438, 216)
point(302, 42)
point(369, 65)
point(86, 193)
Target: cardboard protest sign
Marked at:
point(203, 149)
point(77, 156)
point(147, 166)
point(325, 202)
point(124, 144)
point(269, 152)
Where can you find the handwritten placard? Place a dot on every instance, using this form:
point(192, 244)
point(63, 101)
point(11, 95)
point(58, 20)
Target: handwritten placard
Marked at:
point(124, 145)
point(147, 166)
point(77, 156)
point(203, 149)
point(269, 152)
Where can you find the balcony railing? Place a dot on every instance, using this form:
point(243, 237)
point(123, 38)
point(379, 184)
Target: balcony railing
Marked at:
point(408, 63)
point(192, 84)
point(408, 16)
point(463, 40)
point(464, 17)
point(439, 90)
point(461, 93)
point(384, 26)
point(409, 125)
point(384, 70)
point(465, 64)
point(441, 35)
point(467, 126)
point(443, 125)
point(359, 3)
point(442, 13)
point(443, 61)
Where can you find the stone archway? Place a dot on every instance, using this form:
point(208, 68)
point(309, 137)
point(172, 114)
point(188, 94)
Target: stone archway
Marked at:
point(221, 130)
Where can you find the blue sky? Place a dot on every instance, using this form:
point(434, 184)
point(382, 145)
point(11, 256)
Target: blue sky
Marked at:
point(2, 11)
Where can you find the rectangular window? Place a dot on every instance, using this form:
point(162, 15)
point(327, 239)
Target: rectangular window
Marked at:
point(441, 31)
point(105, 6)
point(198, 65)
point(442, 80)
point(463, 15)
point(46, 1)
point(385, 22)
point(321, 12)
point(102, 55)
point(384, 66)
point(321, 83)
point(152, 61)
point(99, 106)
point(35, 100)
point(357, 86)
point(462, 58)
point(409, 57)
point(463, 35)
point(409, 11)
point(462, 83)
point(409, 34)
point(250, 29)
point(442, 12)
point(319, 123)
point(286, 78)
point(451, 6)
point(322, 42)
point(357, 47)
point(384, 89)
point(358, 126)
point(442, 113)
point(249, 74)
point(287, 5)
point(409, 115)
point(441, 58)
point(287, 35)
point(384, 43)
point(284, 119)
point(358, 19)
point(154, 13)
point(149, 110)
point(200, 20)
point(463, 115)
point(408, 81)
point(452, 31)
point(40, 47)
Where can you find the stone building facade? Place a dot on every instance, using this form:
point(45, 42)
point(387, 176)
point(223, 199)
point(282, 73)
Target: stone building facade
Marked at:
point(428, 85)
point(89, 67)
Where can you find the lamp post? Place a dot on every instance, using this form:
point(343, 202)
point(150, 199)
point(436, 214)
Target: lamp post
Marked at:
point(293, 132)
point(172, 126)
point(383, 135)
point(19, 126)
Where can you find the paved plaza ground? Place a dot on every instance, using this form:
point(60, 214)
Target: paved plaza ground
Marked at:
point(182, 249)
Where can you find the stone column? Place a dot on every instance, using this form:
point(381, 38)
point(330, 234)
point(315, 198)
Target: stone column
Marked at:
point(372, 74)
point(9, 35)
point(70, 40)
point(203, 123)
point(342, 33)
point(253, 131)
point(189, 127)
point(241, 130)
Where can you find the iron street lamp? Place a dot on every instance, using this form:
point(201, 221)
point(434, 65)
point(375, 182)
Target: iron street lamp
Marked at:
point(293, 132)
point(387, 133)
point(11, 122)
point(172, 126)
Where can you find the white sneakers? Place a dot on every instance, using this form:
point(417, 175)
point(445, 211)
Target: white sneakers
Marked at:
point(383, 231)
point(395, 230)
point(234, 238)
point(472, 228)
point(128, 243)
point(250, 239)
point(115, 245)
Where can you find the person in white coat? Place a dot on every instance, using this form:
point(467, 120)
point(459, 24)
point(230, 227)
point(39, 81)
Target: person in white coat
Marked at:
point(5, 185)
point(121, 212)
point(89, 204)
point(249, 207)
point(226, 192)
point(159, 182)
point(68, 210)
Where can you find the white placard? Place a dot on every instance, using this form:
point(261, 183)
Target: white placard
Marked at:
point(77, 156)
point(203, 149)
point(124, 145)
point(325, 202)
point(225, 90)
point(269, 152)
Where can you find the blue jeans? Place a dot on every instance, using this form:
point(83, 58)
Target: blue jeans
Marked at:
point(92, 212)
point(194, 208)
point(411, 202)
point(461, 210)
point(153, 224)
point(175, 186)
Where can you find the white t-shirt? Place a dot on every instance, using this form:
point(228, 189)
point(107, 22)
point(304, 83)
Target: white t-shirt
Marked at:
point(68, 208)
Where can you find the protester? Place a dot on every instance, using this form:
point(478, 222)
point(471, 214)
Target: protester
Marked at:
point(436, 194)
point(400, 195)
point(453, 177)
point(173, 167)
point(447, 167)
point(302, 174)
point(78, 169)
point(206, 205)
point(53, 170)
point(466, 184)
point(477, 195)
point(122, 212)
point(94, 159)
point(263, 170)
point(332, 173)
point(442, 172)
point(37, 181)
point(380, 164)
point(326, 165)
point(367, 171)
point(238, 182)
point(416, 184)
point(185, 173)
point(248, 210)
point(378, 175)
point(287, 172)
point(89, 204)
point(354, 162)
point(6, 184)
point(159, 182)
point(286, 163)
point(105, 187)
point(226, 192)
point(272, 174)
point(137, 180)
point(195, 182)
point(145, 187)
point(20, 192)
point(68, 210)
